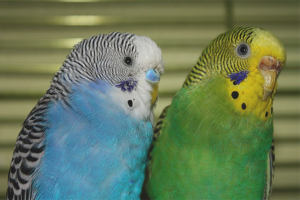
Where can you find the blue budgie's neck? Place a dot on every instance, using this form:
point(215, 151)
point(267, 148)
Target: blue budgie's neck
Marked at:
point(97, 145)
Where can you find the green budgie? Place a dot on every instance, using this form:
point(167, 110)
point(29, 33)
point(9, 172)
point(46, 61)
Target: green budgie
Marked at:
point(215, 141)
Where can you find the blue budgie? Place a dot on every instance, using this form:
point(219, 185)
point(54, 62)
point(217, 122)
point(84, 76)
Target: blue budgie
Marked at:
point(88, 136)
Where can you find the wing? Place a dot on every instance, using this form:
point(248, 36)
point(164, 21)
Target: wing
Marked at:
point(156, 133)
point(270, 172)
point(27, 154)
point(160, 124)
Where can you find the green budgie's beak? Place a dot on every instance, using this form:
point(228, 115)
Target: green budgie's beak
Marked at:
point(270, 68)
point(153, 77)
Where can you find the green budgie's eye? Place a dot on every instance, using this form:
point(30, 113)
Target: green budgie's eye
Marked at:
point(128, 61)
point(243, 50)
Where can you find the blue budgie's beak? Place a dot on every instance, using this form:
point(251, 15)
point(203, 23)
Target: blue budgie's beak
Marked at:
point(153, 77)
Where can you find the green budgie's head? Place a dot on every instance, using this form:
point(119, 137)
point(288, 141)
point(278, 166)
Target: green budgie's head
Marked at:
point(251, 59)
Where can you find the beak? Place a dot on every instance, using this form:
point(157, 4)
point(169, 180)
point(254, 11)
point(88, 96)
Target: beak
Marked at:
point(270, 68)
point(153, 77)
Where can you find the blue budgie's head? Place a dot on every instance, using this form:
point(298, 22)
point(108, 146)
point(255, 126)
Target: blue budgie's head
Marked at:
point(132, 64)
point(114, 57)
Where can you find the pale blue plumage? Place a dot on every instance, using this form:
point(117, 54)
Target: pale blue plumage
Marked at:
point(100, 138)
point(88, 137)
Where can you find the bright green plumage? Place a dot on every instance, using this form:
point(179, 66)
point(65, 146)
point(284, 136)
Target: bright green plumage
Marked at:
point(211, 143)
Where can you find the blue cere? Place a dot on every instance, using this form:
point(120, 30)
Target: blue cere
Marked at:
point(152, 75)
point(238, 77)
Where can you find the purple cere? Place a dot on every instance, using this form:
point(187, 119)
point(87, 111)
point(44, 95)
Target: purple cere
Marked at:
point(238, 77)
point(127, 85)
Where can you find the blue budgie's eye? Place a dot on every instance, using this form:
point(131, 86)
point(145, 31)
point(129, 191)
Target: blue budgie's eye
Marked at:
point(243, 50)
point(128, 61)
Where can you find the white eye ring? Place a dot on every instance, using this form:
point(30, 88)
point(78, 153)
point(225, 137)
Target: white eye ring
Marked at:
point(243, 50)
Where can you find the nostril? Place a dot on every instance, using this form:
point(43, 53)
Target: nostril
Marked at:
point(278, 66)
point(152, 75)
point(271, 58)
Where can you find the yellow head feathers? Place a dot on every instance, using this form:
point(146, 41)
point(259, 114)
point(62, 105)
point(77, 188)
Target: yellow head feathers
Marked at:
point(222, 54)
point(250, 59)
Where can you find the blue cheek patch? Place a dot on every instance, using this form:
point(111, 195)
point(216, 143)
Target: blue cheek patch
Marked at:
point(152, 75)
point(127, 85)
point(238, 77)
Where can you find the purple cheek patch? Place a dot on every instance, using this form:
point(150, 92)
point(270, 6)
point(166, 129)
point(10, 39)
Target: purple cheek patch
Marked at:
point(238, 77)
point(127, 85)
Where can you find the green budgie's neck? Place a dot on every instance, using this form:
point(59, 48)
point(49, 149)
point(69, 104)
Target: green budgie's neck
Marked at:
point(212, 95)
point(201, 139)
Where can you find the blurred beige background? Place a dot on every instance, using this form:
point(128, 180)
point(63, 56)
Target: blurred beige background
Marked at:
point(36, 36)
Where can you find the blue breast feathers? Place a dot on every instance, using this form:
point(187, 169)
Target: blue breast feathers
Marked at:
point(93, 149)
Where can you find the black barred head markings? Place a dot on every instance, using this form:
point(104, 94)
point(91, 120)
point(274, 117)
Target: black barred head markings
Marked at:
point(226, 54)
point(108, 57)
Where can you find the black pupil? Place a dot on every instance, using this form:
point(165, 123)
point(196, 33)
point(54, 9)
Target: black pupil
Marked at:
point(128, 61)
point(243, 49)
